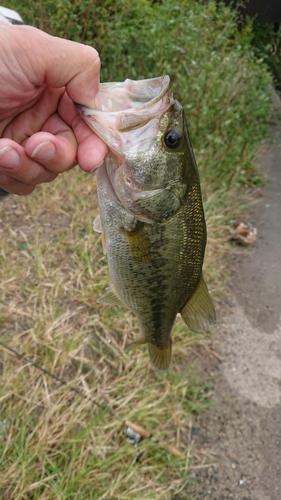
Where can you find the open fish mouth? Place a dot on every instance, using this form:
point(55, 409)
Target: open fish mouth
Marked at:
point(128, 112)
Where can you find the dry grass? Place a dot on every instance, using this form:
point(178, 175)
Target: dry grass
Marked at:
point(53, 443)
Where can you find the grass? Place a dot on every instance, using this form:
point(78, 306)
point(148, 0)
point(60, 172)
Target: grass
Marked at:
point(53, 443)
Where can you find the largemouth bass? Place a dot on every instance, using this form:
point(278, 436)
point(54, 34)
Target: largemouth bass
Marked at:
point(151, 213)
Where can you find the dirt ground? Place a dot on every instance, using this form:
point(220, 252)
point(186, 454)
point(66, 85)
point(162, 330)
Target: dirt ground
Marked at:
point(242, 434)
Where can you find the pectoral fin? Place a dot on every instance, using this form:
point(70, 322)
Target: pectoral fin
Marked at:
point(110, 297)
point(138, 244)
point(199, 313)
point(97, 224)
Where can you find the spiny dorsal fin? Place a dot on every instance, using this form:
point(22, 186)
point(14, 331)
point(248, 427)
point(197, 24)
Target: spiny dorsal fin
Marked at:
point(199, 313)
point(98, 227)
point(110, 297)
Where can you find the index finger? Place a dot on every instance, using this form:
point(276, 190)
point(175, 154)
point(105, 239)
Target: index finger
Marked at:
point(54, 62)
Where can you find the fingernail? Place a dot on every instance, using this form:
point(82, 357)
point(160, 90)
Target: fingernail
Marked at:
point(44, 152)
point(9, 157)
point(96, 168)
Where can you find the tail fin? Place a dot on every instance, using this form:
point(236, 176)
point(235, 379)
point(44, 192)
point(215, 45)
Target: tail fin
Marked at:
point(160, 356)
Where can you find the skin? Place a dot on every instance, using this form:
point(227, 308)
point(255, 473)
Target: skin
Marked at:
point(41, 132)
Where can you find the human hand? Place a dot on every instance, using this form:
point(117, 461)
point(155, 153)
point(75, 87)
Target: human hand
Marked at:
point(41, 132)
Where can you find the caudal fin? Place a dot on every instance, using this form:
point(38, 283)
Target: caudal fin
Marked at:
point(160, 356)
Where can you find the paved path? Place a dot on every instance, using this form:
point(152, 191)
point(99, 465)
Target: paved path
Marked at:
point(243, 433)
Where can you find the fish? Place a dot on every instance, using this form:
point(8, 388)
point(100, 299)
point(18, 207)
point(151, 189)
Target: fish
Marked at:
point(151, 214)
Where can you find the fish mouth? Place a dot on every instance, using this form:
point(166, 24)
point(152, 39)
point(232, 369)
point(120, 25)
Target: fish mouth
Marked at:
point(132, 94)
point(128, 112)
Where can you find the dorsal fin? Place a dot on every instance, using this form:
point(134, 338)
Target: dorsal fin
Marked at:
point(199, 313)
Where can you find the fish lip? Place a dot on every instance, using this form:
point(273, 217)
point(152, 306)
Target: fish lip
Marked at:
point(162, 81)
point(104, 87)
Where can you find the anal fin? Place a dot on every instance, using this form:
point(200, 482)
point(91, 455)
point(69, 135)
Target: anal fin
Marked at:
point(199, 313)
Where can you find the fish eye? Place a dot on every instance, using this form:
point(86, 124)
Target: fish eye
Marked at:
point(172, 139)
